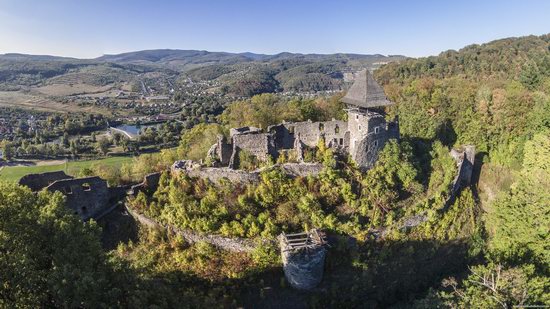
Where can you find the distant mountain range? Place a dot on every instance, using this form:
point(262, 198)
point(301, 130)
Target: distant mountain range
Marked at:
point(241, 74)
point(189, 59)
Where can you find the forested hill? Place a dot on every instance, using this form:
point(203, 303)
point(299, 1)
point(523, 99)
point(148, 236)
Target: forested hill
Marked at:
point(239, 74)
point(505, 58)
point(493, 95)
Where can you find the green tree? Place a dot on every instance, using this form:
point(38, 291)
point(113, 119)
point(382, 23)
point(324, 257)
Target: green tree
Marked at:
point(103, 145)
point(8, 151)
point(49, 256)
point(520, 221)
point(196, 142)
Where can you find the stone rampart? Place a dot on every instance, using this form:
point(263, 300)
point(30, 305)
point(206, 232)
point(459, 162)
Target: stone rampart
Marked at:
point(225, 243)
point(216, 174)
point(37, 182)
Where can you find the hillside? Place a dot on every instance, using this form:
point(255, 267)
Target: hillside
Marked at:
point(495, 96)
point(186, 77)
point(430, 224)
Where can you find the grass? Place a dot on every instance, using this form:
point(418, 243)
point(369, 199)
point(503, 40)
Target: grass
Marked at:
point(14, 173)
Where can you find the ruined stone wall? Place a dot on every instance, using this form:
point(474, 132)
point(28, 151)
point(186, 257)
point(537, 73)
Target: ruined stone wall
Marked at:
point(465, 158)
point(258, 144)
point(149, 184)
point(310, 132)
point(224, 150)
point(282, 137)
point(225, 243)
point(37, 182)
point(217, 174)
point(87, 197)
point(300, 169)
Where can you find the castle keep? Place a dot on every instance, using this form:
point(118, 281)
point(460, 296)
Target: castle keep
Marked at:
point(361, 136)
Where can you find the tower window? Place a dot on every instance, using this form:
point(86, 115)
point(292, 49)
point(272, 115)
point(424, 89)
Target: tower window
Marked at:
point(376, 130)
point(375, 143)
point(356, 117)
point(359, 128)
point(321, 127)
point(337, 129)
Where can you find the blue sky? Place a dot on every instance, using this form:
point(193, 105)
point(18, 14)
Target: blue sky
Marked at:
point(90, 28)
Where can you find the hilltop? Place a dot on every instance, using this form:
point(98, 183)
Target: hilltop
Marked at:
point(429, 225)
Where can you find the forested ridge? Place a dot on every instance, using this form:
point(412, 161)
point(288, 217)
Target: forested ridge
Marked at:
point(488, 248)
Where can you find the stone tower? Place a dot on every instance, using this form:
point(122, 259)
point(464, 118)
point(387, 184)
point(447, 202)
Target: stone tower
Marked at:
point(367, 126)
point(303, 257)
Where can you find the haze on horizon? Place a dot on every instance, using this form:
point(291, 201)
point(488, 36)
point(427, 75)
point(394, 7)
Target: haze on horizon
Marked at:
point(89, 29)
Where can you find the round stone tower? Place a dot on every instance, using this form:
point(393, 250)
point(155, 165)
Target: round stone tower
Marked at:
point(303, 258)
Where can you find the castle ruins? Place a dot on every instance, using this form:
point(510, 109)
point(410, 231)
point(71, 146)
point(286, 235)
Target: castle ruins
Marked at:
point(362, 136)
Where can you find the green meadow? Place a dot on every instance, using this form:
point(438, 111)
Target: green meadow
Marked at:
point(14, 173)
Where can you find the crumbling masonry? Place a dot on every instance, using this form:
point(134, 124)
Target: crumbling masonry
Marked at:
point(361, 136)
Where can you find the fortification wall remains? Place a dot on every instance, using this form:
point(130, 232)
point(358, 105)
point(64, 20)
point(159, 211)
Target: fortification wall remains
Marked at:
point(310, 132)
point(87, 197)
point(225, 243)
point(149, 184)
point(259, 144)
point(37, 182)
point(216, 174)
point(465, 159)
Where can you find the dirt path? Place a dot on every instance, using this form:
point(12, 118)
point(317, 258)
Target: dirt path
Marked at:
point(49, 162)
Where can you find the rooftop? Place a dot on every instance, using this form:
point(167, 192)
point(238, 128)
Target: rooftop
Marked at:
point(365, 92)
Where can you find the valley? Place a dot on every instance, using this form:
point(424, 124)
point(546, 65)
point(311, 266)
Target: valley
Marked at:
point(193, 179)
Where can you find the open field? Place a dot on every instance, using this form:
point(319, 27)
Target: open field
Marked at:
point(14, 173)
point(71, 89)
point(33, 102)
point(38, 102)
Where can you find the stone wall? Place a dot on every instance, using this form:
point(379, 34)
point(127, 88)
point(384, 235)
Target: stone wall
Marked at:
point(282, 137)
point(149, 184)
point(37, 182)
point(216, 174)
point(87, 197)
point(464, 158)
point(310, 132)
point(258, 144)
point(225, 243)
point(366, 150)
